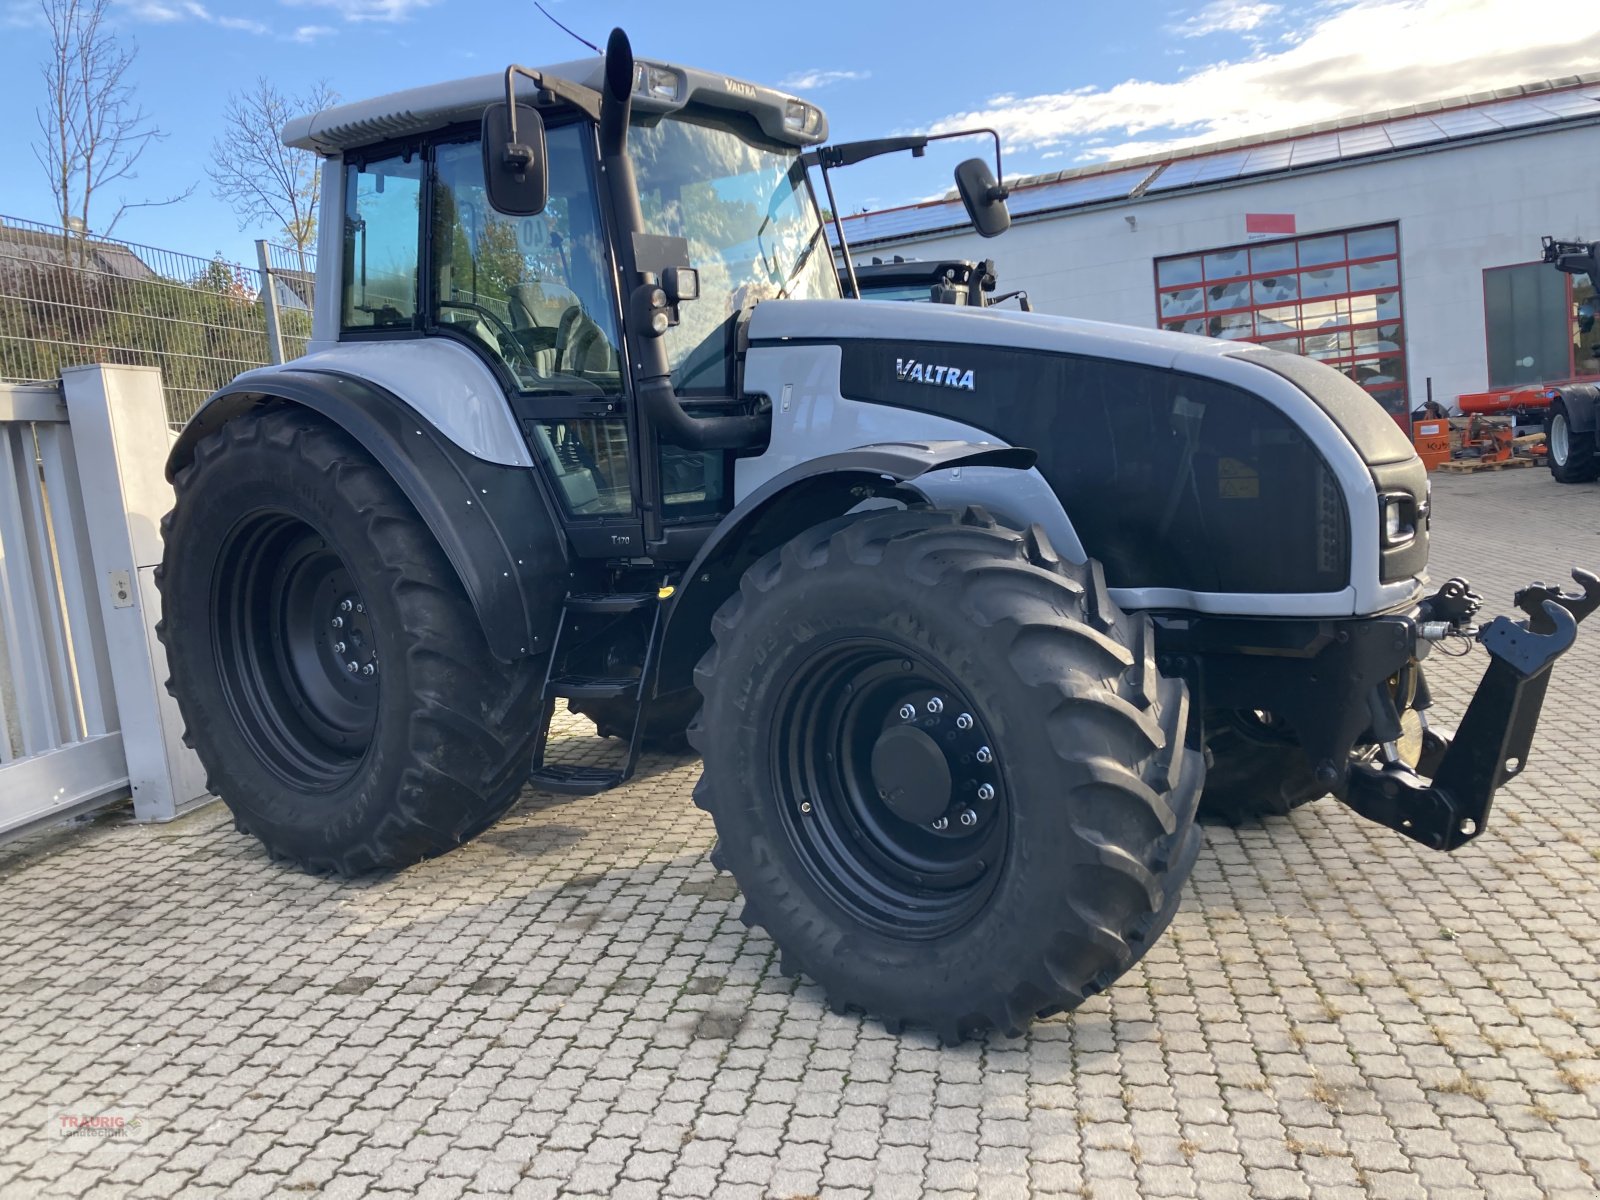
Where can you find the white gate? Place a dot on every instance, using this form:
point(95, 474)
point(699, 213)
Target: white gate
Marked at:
point(82, 716)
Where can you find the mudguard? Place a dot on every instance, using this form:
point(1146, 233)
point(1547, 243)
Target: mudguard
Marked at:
point(784, 507)
point(1582, 401)
point(495, 523)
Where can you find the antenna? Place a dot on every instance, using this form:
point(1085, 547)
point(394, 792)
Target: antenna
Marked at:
point(564, 29)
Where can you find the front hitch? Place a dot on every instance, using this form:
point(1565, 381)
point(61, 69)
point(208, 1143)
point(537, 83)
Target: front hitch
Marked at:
point(1448, 804)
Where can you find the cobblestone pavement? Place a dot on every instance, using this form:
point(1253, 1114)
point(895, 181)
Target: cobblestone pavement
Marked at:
point(571, 1004)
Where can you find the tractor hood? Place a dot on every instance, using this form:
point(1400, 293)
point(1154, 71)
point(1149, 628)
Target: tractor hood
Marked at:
point(923, 329)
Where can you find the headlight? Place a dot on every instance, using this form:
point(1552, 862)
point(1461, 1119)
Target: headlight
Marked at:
point(659, 83)
point(802, 118)
point(1399, 520)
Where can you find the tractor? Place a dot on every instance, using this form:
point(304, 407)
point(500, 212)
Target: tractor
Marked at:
point(1572, 412)
point(946, 281)
point(957, 605)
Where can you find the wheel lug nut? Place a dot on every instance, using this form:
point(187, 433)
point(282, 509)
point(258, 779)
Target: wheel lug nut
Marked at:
point(985, 792)
point(968, 817)
point(907, 712)
point(984, 754)
point(964, 721)
point(352, 667)
point(936, 705)
point(941, 823)
point(361, 608)
point(346, 605)
point(369, 669)
point(338, 647)
point(337, 622)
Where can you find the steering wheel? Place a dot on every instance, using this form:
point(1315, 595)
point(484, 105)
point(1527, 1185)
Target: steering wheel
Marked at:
point(510, 336)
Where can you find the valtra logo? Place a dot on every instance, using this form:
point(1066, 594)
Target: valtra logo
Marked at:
point(909, 370)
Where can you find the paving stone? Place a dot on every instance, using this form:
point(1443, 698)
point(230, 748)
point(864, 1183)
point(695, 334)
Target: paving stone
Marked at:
point(571, 1004)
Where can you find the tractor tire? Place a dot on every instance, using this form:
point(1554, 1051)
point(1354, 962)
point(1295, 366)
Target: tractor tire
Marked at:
point(1254, 771)
point(291, 555)
point(666, 720)
point(1571, 455)
point(892, 670)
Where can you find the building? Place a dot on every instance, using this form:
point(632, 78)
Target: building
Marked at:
point(1401, 247)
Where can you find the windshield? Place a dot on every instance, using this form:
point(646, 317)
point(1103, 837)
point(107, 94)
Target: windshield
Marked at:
point(744, 207)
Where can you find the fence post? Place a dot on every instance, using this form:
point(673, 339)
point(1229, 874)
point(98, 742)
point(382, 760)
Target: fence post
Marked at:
point(269, 301)
point(120, 439)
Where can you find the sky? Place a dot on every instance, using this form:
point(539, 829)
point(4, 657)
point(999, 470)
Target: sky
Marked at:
point(1066, 82)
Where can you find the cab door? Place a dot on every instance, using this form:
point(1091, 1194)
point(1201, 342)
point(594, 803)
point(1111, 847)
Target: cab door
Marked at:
point(536, 296)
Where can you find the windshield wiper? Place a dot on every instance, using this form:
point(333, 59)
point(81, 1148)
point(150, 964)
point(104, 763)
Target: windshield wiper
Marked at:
point(799, 265)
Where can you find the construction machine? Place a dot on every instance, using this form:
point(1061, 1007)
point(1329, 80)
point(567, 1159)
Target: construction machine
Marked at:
point(956, 604)
point(1572, 410)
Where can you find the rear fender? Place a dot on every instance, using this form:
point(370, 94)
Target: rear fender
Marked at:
point(1582, 402)
point(494, 522)
point(788, 504)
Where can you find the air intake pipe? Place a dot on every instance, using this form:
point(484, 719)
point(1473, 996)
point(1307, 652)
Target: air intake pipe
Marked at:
point(646, 303)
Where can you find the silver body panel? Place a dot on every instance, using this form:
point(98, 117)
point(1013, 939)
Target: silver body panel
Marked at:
point(447, 383)
point(813, 418)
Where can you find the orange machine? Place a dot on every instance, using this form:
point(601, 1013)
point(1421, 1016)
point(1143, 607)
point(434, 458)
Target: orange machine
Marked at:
point(1488, 438)
point(1432, 440)
point(1529, 400)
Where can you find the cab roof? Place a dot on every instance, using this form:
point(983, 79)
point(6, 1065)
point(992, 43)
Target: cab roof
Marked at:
point(434, 106)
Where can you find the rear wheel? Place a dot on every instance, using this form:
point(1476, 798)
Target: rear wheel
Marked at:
point(331, 673)
point(1257, 768)
point(944, 770)
point(666, 719)
point(1571, 454)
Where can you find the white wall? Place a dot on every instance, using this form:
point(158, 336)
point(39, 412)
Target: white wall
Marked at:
point(1459, 210)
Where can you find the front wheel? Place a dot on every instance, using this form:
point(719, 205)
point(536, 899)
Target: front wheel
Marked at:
point(1571, 454)
point(944, 769)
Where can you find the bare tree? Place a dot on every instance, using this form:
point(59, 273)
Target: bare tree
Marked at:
point(259, 177)
point(93, 130)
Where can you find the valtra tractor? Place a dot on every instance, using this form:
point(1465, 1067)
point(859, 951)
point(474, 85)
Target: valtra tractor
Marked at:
point(957, 604)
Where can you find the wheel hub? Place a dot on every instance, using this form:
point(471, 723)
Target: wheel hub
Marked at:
point(912, 774)
point(889, 788)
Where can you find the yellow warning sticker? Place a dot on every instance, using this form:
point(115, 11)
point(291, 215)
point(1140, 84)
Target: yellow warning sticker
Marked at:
point(1237, 480)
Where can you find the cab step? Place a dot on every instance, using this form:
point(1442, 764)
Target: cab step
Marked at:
point(583, 687)
point(609, 602)
point(575, 779)
point(562, 682)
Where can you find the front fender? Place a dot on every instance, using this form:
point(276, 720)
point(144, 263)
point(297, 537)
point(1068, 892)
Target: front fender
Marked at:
point(783, 508)
point(495, 523)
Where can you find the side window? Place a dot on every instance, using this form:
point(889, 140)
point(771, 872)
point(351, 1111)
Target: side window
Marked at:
point(382, 220)
point(535, 291)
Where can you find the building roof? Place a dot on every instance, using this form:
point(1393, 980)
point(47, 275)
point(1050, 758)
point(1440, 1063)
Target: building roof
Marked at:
point(1525, 108)
point(42, 244)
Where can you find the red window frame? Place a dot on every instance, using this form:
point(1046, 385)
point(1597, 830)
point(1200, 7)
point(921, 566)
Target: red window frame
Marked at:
point(1573, 376)
point(1392, 392)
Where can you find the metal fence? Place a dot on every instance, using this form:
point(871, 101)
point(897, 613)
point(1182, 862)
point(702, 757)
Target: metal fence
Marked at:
point(67, 299)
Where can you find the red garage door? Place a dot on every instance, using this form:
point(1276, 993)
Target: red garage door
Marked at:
point(1334, 297)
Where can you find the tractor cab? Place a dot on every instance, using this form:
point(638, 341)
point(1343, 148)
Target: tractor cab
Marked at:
point(594, 236)
point(939, 281)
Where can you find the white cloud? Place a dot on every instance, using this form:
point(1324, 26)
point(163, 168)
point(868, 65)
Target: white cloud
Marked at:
point(307, 34)
point(168, 12)
point(1226, 16)
point(367, 10)
point(1345, 58)
point(810, 81)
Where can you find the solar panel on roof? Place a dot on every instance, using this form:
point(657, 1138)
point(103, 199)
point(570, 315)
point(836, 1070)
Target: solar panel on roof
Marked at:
point(1268, 158)
point(1579, 103)
point(1314, 149)
point(1371, 139)
point(1464, 122)
point(1217, 167)
point(1412, 131)
point(1512, 114)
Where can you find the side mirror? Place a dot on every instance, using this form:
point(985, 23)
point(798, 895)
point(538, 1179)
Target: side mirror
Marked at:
point(984, 198)
point(516, 168)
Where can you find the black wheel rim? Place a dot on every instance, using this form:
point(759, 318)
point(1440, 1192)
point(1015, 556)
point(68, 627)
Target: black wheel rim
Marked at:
point(870, 844)
point(296, 651)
